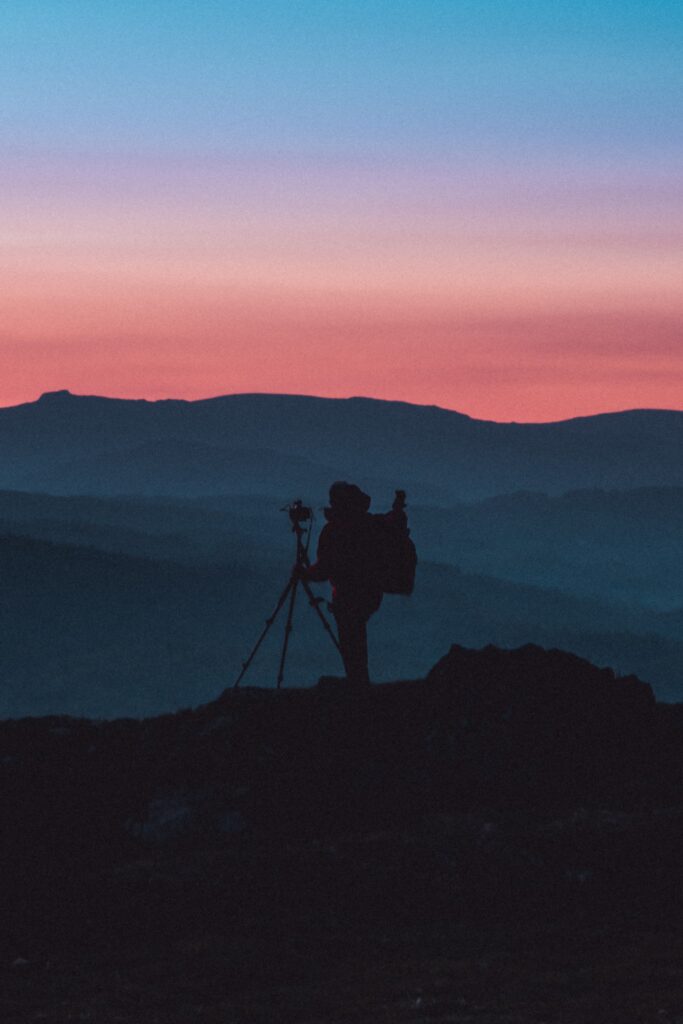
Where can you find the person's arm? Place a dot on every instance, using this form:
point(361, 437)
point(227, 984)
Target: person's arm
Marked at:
point(319, 571)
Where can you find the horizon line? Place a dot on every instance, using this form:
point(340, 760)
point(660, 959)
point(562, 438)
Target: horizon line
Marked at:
point(336, 398)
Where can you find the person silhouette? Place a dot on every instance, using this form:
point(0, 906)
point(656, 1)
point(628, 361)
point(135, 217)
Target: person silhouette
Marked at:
point(347, 557)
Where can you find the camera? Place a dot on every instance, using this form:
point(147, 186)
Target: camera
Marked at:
point(298, 512)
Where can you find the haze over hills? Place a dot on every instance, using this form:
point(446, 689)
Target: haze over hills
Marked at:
point(618, 546)
point(105, 633)
point(135, 604)
point(624, 546)
point(65, 443)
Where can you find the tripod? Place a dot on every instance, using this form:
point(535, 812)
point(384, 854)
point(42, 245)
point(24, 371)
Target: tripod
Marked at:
point(297, 514)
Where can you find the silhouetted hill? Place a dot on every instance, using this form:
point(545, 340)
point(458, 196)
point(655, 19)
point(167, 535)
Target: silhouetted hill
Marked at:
point(175, 466)
point(102, 633)
point(619, 546)
point(178, 530)
point(496, 840)
point(96, 633)
point(185, 585)
point(448, 454)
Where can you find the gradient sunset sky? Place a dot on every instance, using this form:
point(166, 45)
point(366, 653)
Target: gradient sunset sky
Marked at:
point(472, 204)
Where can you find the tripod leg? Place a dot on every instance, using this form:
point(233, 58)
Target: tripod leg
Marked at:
point(315, 604)
point(288, 630)
point(269, 622)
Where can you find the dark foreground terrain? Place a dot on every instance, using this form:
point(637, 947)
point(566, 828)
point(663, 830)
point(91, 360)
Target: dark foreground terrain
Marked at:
point(499, 842)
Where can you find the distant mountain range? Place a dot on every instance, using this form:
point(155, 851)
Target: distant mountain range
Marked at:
point(617, 546)
point(143, 544)
point(105, 633)
point(286, 444)
point(622, 547)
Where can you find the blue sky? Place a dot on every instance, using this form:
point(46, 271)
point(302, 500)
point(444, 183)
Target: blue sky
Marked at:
point(338, 77)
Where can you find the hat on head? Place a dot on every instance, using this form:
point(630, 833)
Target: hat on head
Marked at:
point(348, 497)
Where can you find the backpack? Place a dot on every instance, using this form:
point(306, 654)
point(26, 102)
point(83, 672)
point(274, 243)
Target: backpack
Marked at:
point(395, 553)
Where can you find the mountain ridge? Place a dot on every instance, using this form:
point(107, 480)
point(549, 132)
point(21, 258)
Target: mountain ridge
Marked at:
point(64, 395)
point(446, 453)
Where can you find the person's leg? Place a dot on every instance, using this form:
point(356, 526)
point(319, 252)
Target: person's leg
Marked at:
point(353, 641)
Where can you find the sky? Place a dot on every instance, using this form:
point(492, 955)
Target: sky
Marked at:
point(476, 205)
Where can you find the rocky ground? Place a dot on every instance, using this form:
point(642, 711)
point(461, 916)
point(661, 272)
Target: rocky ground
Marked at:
point(500, 842)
